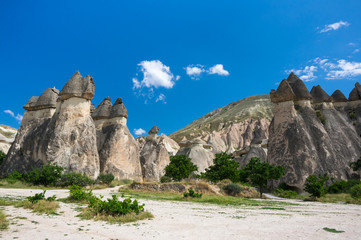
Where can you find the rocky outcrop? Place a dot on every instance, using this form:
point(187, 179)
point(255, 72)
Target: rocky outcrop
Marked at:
point(310, 138)
point(199, 152)
point(118, 150)
point(230, 128)
point(7, 137)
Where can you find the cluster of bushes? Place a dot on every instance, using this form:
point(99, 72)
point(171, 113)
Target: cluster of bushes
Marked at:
point(191, 193)
point(53, 175)
point(40, 196)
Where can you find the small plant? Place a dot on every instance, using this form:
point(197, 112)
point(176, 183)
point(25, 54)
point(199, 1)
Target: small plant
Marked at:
point(165, 179)
point(180, 167)
point(285, 193)
point(14, 177)
point(106, 178)
point(73, 178)
point(45, 175)
point(320, 117)
point(316, 185)
point(79, 194)
point(352, 115)
point(232, 189)
point(191, 193)
point(355, 191)
point(2, 157)
point(3, 222)
point(40, 196)
point(332, 230)
point(356, 165)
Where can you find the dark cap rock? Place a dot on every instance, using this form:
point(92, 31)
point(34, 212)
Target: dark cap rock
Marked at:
point(338, 96)
point(103, 110)
point(31, 103)
point(80, 87)
point(319, 95)
point(119, 109)
point(154, 130)
point(46, 100)
point(299, 88)
point(283, 93)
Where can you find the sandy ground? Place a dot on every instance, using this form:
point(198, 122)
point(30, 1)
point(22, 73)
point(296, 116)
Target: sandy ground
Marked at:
point(180, 220)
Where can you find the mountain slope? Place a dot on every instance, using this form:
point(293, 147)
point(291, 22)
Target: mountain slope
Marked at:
point(231, 127)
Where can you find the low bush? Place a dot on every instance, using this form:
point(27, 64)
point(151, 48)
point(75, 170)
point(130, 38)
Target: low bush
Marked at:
point(165, 179)
point(355, 191)
point(316, 185)
point(191, 193)
point(45, 175)
point(40, 196)
point(41, 206)
point(232, 189)
point(285, 193)
point(78, 193)
point(14, 177)
point(2, 157)
point(338, 187)
point(106, 178)
point(4, 224)
point(72, 178)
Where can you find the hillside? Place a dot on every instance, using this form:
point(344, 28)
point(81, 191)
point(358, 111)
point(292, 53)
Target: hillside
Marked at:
point(230, 126)
point(7, 135)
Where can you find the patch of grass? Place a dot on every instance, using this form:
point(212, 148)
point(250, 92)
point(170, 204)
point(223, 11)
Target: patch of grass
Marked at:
point(273, 208)
point(42, 206)
point(332, 230)
point(19, 184)
point(339, 197)
point(88, 214)
point(212, 199)
point(4, 224)
point(9, 201)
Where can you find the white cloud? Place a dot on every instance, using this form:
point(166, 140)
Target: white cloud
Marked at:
point(218, 69)
point(356, 50)
point(195, 71)
point(344, 69)
point(307, 74)
point(177, 77)
point(334, 26)
point(161, 97)
point(139, 131)
point(352, 44)
point(155, 74)
point(17, 117)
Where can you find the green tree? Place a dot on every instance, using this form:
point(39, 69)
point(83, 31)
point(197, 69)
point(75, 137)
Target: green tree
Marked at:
point(316, 185)
point(2, 157)
point(180, 167)
point(356, 165)
point(223, 168)
point(258, 173)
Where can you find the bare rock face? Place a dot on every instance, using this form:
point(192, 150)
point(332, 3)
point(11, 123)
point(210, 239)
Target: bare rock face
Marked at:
point(7, 137)
point(199, 152)
point(118, 150)
point(154, 157)
point(304, 145)
point(71, 133)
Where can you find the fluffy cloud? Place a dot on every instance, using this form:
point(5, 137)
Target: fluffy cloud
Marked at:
point(307, 74)
point(18, 117)
point(161, 98)
point(218, 69)
point(195, 71)
point(139, 131)
point(155, 74)
point(334, 26)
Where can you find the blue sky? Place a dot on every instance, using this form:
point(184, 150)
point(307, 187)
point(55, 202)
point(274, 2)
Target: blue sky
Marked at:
point(174, 61)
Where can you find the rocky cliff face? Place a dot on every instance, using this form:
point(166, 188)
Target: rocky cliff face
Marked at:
point(7, 137)
point(311, 133)
point(230, 128)
point(118, 150)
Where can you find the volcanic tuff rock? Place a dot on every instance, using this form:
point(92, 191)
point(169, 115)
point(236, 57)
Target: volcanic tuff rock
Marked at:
point(231, 127)
point(300, 142)
point(338, 96)
point(7, 136)
point(199, 152)
point(118, 150)
point(319, 95)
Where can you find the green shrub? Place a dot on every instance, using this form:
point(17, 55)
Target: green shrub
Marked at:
point(320, 117)
point(356, 165)
point(285, 193)
point(72, 178)
point(180, 167)
point(40, 196)
point(45, 175)
point(191, 193)
point(106, 178)
point(223, 168)
point(232, 189)
point(165, 179)
point(316, 185)
point(79, 194)
point(352, 115)
point(338, 187)
point(114, 206)
point(2, 157)
point(14, 176)
point(355, 191)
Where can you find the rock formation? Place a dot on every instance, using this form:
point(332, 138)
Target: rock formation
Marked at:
point(7, 137)
point(308, 135)
point(199, 152)
point(118, 150)
point(155, 153)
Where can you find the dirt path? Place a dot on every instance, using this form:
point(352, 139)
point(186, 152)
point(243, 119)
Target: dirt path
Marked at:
point(180, 220)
